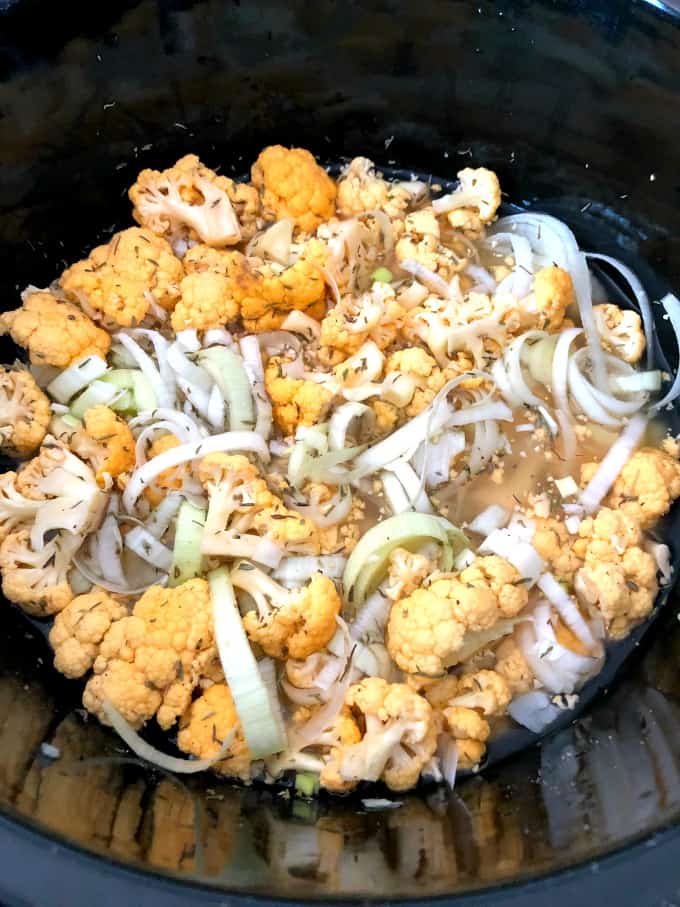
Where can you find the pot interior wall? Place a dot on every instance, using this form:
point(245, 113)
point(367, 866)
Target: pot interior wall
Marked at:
point(576, 106)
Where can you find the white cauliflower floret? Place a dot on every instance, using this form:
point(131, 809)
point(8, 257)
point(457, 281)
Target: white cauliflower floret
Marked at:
point(67, 489)
point(407, 571)
point(470, 731)
point(362, 189)
point(399, 737)
point(188, 197)
point(288, 622)
point(620, 331)
point(421, 243)
point(474, 203)
point(38, 581)
point(375, 315)
point(24, 412)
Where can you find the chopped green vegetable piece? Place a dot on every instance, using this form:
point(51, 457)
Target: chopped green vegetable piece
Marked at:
point(382, 275)
point(306, 784)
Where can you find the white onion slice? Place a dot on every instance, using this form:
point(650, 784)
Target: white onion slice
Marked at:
point(640, 296)
point(560, 367)
point(109, 546)
point(146, 365)
point(523, 556)
point(412, 485)
point(342, 419)
point(184, 453)
point(447, 752)
point(150, 754)
point(493, 517)
point(185, 369)
point(397, 499)
point(77, 376)
point(182, 425)
point(431, 280)
point(485, 281)
point(252, 363)
point(371, 618)
point(671, 304)
point(148, 548)
point(300, 323)
point(98, 580)
point(297, 570)
point(161, 346)
point(568, 611)
point(613, 462)
point(160, 519)
point(534, 711)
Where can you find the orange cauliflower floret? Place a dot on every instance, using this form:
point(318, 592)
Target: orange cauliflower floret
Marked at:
point(375, 315)
point(149, 663)
point(341, 537)
point(474, 203)
point(289, 623)
point(78, 630)
point(512, 666)
point(54, 331)
point(421, 242)
point(106, 442)
point(485, 690)
point(620, 331)
point(37, 580)
point(362, 189)
point(646, 486)
point(245, 519)
point(399, 737)
point(170, 479)
point(294, 401)
point(426, 629)
point(24, 412)
point(554, 544)
point(191, 199)
point(205, 725)
point(470, 731)
point(618, 576)
point(292, 184)
point(120, 281)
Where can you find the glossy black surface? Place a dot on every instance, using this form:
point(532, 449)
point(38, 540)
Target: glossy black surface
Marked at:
point(576, 104)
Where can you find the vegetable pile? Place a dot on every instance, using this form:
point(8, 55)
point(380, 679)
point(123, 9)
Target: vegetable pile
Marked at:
point(333, 476)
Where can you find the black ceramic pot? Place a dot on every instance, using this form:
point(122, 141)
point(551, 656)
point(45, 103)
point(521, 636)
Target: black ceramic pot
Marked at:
point(577, 106)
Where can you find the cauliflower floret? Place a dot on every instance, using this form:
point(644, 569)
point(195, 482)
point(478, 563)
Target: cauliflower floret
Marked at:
point(362, 189)
point(424, 377)
point(620, 331)
point(386, 416)
point(485, 690)
point(554, 544)
point(399, 737)
point(545, 307)
point(421, 242)
point(78, 630)
point(149, 663)
point(618, 576)
point(206, 302)
point(292, 184)
point(190, 199)
point(470, 731)
point(406, 572)
point(107, 444)
point(355, 247)
point(646, 486)
point(171, 479)
point(375, 315)
point(342, 537)
point(474, 203)
point(37, 580)
point(15, 509)
point(244, 518)
point(121, 280)
point(512, 666)
point(204, 726)
point(289, 623)
point(24, 412)
point(294, 401)
point(426, 629)
point(54, 331)
point(67, 489)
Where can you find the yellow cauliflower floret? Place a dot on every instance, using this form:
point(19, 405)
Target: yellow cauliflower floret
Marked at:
point(191, 199)
point(292, 184)
point(375, 315)
point(361, 189)
point(425, 377)
point(620, 331)
point(54, 331)
point(106, 443)
point(342, 537)
point(485, 690)
point(512, 665)
point(206, 302)
point(37, 581)
point(291, 624)
point(646, 486)
point(149, 663)
point(204, 726)
point(121, 279)
point(474, 203)
point(386, 416)
point(554, 544)
point(421, 242)
point(399, 737)
point(618, 576)
point(426, 629)
point(170, 479)
point(294, 401)
point(470, 731)
point(24, 412)
point(78, 630)
point(552, 294)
